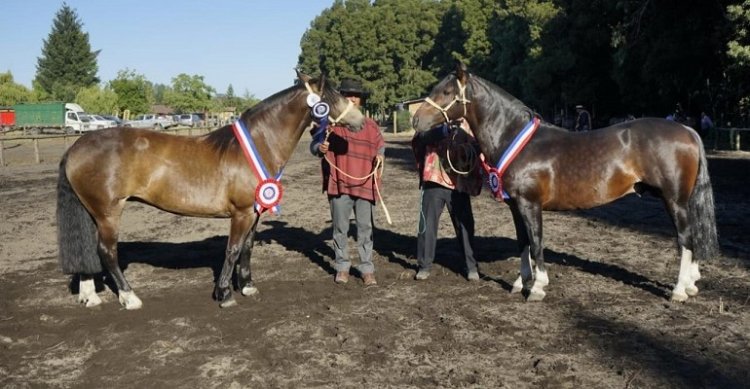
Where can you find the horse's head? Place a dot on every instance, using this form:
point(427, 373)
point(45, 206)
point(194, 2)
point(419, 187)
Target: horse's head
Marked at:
point(342, 111)
point(447, 101)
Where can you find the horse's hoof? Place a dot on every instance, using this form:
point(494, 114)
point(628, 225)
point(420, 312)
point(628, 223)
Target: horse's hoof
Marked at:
point(679, 297)
point(536, 295)
point(92, 301)
point(517, 286)
point(130, 301)
point(691, 290)
point(249, 290)
point(230, 302)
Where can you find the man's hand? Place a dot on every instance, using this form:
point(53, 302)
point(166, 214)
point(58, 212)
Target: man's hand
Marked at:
point(323, 147)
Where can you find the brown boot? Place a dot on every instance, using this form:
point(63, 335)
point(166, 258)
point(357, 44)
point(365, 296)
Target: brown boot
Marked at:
point(342, 277)
point(369, 279)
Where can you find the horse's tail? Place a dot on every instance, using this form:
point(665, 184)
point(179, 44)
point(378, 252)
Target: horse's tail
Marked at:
point(76, 230)
point(702, 214)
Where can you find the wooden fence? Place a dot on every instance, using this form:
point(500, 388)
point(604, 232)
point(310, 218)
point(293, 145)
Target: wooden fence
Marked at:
point(43, 148)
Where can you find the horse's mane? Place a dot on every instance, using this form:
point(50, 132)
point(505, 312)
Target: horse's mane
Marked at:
point(498, 100)
point(222, 138)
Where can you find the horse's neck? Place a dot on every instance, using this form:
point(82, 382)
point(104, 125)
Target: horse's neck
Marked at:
point(276, 142)
point(495, 133)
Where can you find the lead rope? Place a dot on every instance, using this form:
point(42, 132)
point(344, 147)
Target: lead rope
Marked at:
point(378, 166)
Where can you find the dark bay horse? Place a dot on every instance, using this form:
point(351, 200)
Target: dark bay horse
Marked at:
point(204, 176)
point(562, 170)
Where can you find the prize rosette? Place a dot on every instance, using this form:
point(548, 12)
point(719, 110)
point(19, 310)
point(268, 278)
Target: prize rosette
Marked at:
point(320, 110)
point(268, 193)
point(494, 183)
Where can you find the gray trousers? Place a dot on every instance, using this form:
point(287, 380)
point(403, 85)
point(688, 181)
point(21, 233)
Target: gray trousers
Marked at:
point(434, 199)
point(341, 209)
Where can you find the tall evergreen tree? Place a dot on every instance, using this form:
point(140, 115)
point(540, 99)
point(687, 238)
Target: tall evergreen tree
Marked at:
point(67, 62)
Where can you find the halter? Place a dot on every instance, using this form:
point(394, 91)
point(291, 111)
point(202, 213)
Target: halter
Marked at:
point(331, 120)
point(459, 98)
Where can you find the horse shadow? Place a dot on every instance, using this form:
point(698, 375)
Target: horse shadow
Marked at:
point(398, 249)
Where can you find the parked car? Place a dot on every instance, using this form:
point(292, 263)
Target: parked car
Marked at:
point(118, 121)
point(97, 122)
point(150, 120)
point(189, 119)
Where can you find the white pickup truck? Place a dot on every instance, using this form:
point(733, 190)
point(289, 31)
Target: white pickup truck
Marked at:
point(150, 120)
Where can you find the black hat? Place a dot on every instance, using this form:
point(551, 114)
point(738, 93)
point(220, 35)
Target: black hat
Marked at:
point(352, 87)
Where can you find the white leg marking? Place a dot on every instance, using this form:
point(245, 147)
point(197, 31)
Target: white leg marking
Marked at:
point(525, 272)
point(87, 293)
point(695, 275)
point(537, 290)
point(684, 279)
point(249, 290)
point(517, 286)
point(129, 300)
point(527, 275)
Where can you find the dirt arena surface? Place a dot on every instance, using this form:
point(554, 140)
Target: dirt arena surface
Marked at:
point(606, 321)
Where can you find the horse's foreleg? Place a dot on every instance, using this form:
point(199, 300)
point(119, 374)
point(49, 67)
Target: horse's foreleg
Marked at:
point(533, 273)
point(522, 238)
point(242, 270)
point(240, 228)
point(108, 253)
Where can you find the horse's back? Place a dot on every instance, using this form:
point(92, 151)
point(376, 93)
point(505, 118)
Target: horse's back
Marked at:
point(175, 173)
point(585, 169)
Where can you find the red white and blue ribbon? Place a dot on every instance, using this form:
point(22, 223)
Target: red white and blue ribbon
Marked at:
point(495, 174)
point(269, 191)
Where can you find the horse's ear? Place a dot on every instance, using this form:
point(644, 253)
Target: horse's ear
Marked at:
point(461, 73)
point(302, 77)
point(321, 83)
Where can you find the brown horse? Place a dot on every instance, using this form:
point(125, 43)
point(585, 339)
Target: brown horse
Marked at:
point(204, 176)
point(562, 170)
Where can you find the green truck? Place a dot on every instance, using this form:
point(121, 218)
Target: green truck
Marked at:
point(51, 117)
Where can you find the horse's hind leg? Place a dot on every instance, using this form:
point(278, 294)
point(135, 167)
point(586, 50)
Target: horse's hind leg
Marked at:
point(108, 253)
point(689, 272)
point(242, 224)
point(242, 270)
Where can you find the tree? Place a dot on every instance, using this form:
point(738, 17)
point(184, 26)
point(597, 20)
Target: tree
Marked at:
point(134, 92)
point(11, 92)
point(67, 62)
point(189, 94)
point(382, 43)
point(97, 100)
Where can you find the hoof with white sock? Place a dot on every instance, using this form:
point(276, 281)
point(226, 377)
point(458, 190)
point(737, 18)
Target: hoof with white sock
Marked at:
point(249, 290)
point(691, 290)
point(679, 297)
point(129, 300)
point(87, 294)
point(517, 286)
point(536, 294)
point(230, 302)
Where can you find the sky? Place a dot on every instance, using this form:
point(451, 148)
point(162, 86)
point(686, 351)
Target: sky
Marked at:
point(253, 45)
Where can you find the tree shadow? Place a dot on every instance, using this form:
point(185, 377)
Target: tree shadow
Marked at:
point(687, 361)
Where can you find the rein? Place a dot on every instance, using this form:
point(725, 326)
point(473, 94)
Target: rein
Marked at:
point(471, 155)
point(378, 166)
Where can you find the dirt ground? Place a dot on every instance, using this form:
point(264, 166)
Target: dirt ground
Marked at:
point(606, 321)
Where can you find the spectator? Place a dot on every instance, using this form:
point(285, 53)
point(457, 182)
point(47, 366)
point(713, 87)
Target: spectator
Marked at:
point(707, 125)
point(583, 121)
